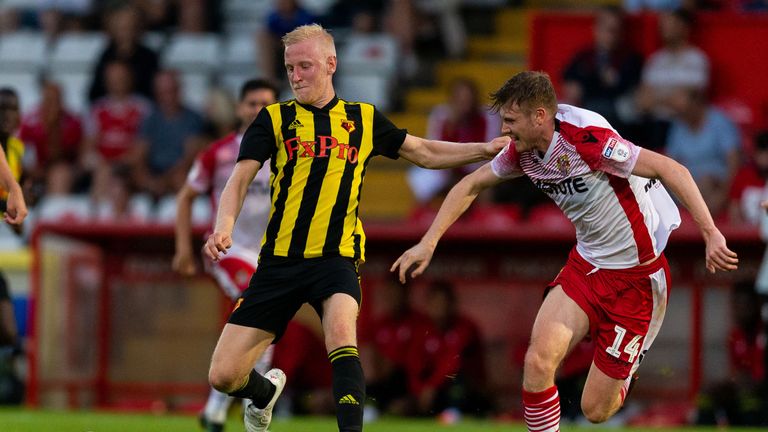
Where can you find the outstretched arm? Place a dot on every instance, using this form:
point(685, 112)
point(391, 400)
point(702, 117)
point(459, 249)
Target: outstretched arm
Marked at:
point(229, 207)
point(455, 204)
point(443, 154)
point(677, 179)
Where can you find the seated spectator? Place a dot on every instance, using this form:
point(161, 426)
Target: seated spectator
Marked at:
point(446, 363)
point(600, 76)
point(166, 146)
point(748, 186)
point(125, 45)
point(391, 334)
point(635, 6)
point(678, 64)
point(737, 401)
point(112, 128)
point(462, 118)
point(703, 139)
point(286, 16)
point(54, 139)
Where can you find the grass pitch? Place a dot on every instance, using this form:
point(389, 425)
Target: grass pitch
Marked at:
point(22, 420)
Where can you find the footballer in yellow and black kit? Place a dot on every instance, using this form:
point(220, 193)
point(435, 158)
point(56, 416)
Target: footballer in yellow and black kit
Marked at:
point(314, 239)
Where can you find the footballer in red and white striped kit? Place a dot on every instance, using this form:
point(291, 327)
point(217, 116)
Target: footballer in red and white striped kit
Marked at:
point(233, 272)
point(616, 282)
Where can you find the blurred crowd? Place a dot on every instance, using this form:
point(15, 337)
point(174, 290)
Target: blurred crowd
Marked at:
point(130, 146)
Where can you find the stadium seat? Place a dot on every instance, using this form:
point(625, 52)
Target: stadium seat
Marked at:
point(77, 52)
point(154, 40)
point(198, 53)
point(63, 208)
point(74, 87)
point(369, 54)
point(232, 80)
point(26, 86)
point(246, 16)
point(165, 210)
point(23, 52)
point(195, 88)
point(371, 88)
point(240, 54)
point(201, 211)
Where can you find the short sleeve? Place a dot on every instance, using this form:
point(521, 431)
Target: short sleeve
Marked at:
point(387, 138)
point(201, 173)
point(602, 149)
point(506, 164)
point(259, 139)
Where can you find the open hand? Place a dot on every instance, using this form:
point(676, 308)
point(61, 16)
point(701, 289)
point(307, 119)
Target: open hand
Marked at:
point(419, 255)
point(719, 257)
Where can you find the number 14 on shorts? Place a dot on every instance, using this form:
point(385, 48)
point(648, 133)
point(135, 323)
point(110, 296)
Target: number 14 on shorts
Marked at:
point(632, 348)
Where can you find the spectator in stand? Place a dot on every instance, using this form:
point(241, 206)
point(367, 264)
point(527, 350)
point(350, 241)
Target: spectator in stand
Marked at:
point(286, 16)
point(112, 128)
point(706, 142)
point(737, 401)
point(598, 77)
point(462, 118)
point(635, 6)
point(446, 365)
point(748, 186)
point(166, 146)
point(125, 45)
point(389, 340)
point(54, 138)
point(678, 64)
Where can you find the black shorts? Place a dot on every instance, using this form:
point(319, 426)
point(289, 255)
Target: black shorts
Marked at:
point(281, 285)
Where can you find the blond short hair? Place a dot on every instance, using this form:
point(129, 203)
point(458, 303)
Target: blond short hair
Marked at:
point(310, 31)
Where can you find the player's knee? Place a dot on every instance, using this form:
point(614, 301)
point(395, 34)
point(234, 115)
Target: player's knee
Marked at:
point(594, 411)
point(223, 380)
point(538, 366)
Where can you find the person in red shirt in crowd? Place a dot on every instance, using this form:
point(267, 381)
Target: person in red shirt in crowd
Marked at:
point(462, 118)
point(388, 341)
point(297, 354)
point(748, 184)
point(737, 401)
point(54, 137)
point(446, 363)
point(112, 128)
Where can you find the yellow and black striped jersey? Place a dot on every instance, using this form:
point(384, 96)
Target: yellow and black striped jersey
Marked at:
point(318, 160)
point(14, 153)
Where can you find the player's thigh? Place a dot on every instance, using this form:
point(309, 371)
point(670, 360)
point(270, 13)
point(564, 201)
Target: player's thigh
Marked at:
point(560, 324)
point(600, 397)
point(339, 321)
point(336, 296)
point(238, 349)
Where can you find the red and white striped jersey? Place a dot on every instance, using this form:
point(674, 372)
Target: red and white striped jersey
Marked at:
point(210, 173)
point(621, 219)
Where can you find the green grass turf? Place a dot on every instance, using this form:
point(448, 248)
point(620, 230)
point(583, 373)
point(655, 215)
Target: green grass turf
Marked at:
point(21, 420)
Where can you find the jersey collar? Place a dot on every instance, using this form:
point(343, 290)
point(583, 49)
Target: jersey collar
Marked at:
point(332, 103)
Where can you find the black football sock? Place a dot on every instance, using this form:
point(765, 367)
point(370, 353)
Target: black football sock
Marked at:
point(256, 388)
point(348, 388)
